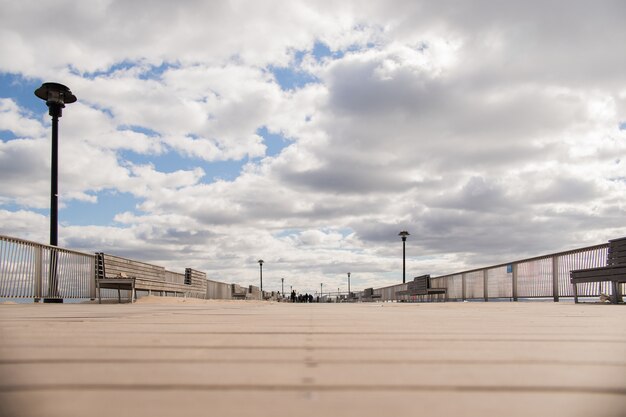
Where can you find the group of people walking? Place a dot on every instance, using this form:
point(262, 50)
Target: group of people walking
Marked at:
point(302, 298)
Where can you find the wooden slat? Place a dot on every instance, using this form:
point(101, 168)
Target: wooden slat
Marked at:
point(606, 270)
point(608, 273)
point(616, 254)
point(156, 278)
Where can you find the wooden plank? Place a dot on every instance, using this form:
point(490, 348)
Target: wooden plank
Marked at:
point(601, 268)
point(156, 278)
point(619, 240)
point(597, 279)
point(616, 254)
point(607, 270)
point(616, 259)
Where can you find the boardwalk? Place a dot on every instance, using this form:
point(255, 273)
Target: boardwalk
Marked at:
point(200, 358)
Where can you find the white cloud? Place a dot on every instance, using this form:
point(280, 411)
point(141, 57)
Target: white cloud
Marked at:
point(14, 119)
point(25, 172)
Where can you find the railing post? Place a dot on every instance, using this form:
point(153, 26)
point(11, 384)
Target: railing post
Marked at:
point(38, 273)
point(463, 286)
point(555, 278)
point(485, 283)
point(514, 282)
point(92, 282)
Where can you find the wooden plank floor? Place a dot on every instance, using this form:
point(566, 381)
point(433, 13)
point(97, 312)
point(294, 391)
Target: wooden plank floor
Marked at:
point(241, 358)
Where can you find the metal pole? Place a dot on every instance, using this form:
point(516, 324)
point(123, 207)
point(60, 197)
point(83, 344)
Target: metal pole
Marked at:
point(282, 286)
point(514, 283)
point(555, 278)
point(261, 275)
point(486, 284)
point(403, 234)
point(403, 259)
point(54, 188)
point(463, 286)
point(348, 285)
point(56, 97)
point(54, 109)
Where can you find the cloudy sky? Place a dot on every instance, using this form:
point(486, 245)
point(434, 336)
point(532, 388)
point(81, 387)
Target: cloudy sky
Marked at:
point(210, 134)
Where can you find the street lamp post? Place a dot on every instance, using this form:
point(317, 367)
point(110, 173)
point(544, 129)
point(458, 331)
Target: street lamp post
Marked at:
point(56, 97)
point(403, 234)
point(261, 275)
point(321, 292)
point(348, 285)
point(282, 286)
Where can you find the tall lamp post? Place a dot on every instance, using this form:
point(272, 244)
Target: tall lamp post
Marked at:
point(403, 234)
point(348, 285)
point(282, 286)
point(321, 292)
point(56, 97)
point(261, 275)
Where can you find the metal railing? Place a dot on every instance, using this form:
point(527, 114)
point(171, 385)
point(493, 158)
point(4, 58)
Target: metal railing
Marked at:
point(546, 276)
point(33, 270)
point(37, 271)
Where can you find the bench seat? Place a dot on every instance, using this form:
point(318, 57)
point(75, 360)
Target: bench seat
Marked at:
point(116, 283)
point(238, 292)
point(421, 286)
point(368, 295)
point(614, 271)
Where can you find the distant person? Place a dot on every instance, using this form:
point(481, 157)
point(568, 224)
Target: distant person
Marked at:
point(293, 296)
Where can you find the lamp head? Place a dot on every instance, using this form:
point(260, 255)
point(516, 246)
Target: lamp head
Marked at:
point(403, 234)
point(56, 97)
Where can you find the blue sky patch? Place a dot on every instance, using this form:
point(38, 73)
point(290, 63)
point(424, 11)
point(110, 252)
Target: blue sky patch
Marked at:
point(275, 142)
point(139, 129)
point(150, 72)
point(156, 71)
point(6, 135)
point(345, 231)
point(292, 78)
point(321, 51)
point(287, 232)
point(173, 161)
point(16, 207)
point(22, 91)
point(110, 203)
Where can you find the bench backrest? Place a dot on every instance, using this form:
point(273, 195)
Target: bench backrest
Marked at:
point(419, 285)
point(616, 254)
point(237, 289)
point(100, 268)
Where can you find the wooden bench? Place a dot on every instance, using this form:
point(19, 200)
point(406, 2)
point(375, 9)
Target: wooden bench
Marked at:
point(237, 292)
point(420, 286)
point(368, 295)
point(118, 282)
point(614, 271)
